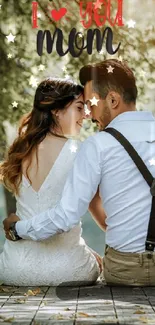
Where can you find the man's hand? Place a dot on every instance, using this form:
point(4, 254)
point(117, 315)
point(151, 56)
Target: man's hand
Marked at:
point(7, 222)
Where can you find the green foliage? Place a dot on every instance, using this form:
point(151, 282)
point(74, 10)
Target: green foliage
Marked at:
point(137, 48)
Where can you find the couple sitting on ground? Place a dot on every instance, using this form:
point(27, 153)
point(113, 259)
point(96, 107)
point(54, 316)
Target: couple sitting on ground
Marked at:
point(111, 174)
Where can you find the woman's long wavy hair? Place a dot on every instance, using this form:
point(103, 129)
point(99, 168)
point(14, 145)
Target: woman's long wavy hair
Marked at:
point(51, 95)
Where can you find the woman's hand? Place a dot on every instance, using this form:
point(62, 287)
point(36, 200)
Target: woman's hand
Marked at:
point(7, 223)
point(99, 260)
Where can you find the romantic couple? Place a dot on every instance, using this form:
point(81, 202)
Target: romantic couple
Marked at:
point(54, 187)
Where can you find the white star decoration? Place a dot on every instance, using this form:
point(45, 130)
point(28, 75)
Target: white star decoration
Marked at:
point(87, 111)
point(39, 15)
point(94, 101)
point(101, 52)
point(14, 104)
point(10, 38)
point(67, 76)
point(9, 56)
point(97, 4)
point(80, 35)
point(152, 162)
point(33, 82)
point(142, 73)
point(131, 23)
point(110, 69)
point(64, 69)
point(73, 148)
point(120, 58)
point(41, 67)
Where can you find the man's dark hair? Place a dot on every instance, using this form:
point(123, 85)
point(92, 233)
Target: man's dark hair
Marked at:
point(122, 80)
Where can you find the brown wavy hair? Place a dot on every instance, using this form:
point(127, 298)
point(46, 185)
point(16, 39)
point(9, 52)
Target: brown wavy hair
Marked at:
point(51, 95)
point(122, 80)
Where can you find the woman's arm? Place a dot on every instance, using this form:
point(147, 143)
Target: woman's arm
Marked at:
point(97, 211)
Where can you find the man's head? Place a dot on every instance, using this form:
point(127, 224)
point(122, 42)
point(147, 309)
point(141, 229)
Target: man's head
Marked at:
point(113, 84)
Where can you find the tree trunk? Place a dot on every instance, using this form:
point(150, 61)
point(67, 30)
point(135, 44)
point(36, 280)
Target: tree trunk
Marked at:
point(9, 198)
point(10, 202)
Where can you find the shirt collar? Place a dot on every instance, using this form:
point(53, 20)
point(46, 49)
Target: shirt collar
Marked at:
point(135, 125)
point(132, 116)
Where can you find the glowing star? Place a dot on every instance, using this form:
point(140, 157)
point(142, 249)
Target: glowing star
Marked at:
point(131, 23)
point(64, 69)
point(94, 101)
point(101, 52)
point(152, 162)
point(73, 148)
point(41, 67)
point(39, 15)
point(10, 38)
point(110, 69)
point(120, 58)
point(9, 56)
point(33, 82)
point(142, 73)
point(97, 4)
point(14, 104)
point(87, 111)
point(80, 35)
point(67, 76)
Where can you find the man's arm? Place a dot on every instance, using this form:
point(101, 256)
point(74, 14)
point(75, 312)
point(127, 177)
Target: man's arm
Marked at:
point(97, 211)
point(80, 188)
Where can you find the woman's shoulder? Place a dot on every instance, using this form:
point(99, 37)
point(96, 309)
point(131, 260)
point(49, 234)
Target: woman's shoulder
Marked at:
point(79, 143)
point(74, 145)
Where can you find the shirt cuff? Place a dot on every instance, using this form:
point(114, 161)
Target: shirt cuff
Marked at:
point(22, 228)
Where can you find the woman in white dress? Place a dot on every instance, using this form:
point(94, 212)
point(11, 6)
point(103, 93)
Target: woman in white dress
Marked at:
point(35, 170)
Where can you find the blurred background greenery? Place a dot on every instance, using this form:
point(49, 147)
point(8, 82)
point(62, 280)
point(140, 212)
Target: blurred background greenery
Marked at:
point(21, 69)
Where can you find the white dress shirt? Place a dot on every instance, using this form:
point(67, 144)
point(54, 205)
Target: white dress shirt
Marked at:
point(102, 161)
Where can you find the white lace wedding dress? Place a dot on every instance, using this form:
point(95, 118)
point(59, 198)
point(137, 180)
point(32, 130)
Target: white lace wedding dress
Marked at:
point(62, 258)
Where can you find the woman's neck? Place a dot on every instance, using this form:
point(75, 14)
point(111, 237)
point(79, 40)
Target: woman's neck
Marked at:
point(57, 133)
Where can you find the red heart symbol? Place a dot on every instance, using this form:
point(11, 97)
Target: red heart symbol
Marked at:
point(57, 15)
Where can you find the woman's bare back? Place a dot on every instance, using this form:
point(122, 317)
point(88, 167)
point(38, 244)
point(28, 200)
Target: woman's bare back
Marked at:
point(48, 152)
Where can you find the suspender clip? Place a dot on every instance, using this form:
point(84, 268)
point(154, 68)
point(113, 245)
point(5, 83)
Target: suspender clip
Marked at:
point(152, 189)
point(149, 246)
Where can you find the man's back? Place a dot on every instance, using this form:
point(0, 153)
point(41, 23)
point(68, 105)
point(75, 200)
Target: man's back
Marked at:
point(125, 194)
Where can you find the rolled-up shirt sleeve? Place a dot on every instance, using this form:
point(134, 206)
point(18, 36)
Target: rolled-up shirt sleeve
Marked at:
point(80, 188)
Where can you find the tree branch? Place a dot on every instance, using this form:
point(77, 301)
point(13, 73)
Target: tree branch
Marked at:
point(46, 14)
point(77, 1)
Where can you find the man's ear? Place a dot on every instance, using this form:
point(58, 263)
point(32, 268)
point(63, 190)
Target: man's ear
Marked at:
point(113, 99)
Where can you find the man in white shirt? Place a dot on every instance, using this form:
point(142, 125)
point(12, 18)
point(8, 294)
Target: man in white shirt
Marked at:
point(110, 94)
